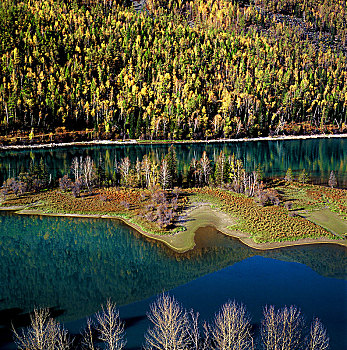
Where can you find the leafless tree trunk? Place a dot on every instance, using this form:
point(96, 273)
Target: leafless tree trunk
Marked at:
point(231, 330)
point(205, 165)
point(193, 331)
point(164, 174)
point(110, 327)
point(146, 167)
point(75, 167)
point(43, 334)
point(124, 169)
point(318, 338)
point(88, 172)
point(282, 330)
point(87, 337)
point(154, 173)
point(170, 323)
point(138, 172)
point(220, 169)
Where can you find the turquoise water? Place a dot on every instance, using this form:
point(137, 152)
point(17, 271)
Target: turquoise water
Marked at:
point(73, 265)
point(318, 156)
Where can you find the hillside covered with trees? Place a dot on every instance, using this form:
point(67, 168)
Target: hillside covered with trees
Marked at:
point(175, 70)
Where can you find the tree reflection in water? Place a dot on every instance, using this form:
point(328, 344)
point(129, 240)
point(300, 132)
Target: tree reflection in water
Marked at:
point(74, 265)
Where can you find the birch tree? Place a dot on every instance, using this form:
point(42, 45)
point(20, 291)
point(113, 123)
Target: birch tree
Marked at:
point(110, 327)
point(231, 329)
point(318, 338)
point(206, 168)
point(44, 333)
point(169, 330)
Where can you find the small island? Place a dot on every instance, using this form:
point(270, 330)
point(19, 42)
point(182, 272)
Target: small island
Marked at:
point(169, 205)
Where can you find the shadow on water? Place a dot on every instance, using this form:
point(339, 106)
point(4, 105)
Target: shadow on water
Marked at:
point(76, 264)
point(17, 318)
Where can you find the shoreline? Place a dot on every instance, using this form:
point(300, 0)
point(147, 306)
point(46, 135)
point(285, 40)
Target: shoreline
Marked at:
point(163, 142)
point(184, 241)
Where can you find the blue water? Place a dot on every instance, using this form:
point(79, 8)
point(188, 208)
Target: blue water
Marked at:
point(256, 282)
point(72, 265)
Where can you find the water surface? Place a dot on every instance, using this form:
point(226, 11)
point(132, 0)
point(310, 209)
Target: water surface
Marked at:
point(74, 264)
point(318, 156)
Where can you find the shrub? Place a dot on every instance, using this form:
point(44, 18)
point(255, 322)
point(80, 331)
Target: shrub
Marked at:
point(65, 183)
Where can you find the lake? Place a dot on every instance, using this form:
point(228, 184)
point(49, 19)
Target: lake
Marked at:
point(73, 265)
point(318, 156)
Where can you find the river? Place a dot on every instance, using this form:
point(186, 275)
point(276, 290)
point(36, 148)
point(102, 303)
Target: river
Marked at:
point(73, 265)
point(317, 156)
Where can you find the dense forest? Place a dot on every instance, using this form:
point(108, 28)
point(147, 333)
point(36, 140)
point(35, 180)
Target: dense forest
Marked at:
point(173, 69)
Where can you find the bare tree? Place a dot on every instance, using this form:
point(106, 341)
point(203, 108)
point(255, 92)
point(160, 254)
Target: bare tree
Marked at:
point(146, 167)
point(164, 174)
point(282, 330)
point(250, 183)
point(231, 330)
point(87, 337)
point(195, 172)
point(170, 324)
point(110, 327)
point(220, 169)
point(318, 338)
point(44, 333)
point(75, 168)
point(139, 176)
point(154, 173)
point(206, 341)
point(124, 169)
point(206, 168)
point(88, 172)
point(193, 330)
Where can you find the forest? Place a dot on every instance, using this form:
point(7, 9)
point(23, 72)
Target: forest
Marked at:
point(173, 69)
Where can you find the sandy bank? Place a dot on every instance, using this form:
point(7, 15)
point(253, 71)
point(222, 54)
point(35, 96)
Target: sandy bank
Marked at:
point(134, 142)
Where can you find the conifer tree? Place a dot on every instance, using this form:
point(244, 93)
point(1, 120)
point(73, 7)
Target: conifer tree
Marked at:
point(289, 175)
point(303, 177)
point(332, 180)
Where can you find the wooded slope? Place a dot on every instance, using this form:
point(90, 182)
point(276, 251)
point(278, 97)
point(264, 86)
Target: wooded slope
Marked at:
point(204, 69)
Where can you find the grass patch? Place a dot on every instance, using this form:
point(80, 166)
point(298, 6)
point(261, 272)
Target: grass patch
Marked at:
point(265, 224)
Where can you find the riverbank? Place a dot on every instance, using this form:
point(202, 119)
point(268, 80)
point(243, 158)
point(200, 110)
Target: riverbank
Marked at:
point(158, 142)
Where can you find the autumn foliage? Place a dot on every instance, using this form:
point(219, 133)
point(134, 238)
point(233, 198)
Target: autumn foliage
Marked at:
point(205, 69)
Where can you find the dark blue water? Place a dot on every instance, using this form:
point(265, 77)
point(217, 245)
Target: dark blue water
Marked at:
point(257, 281)
point(318, 156)
point(73, 265)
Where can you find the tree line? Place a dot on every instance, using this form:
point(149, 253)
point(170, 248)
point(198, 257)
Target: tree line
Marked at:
point(204, 69)
point(174, 328)
point(226, 171)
